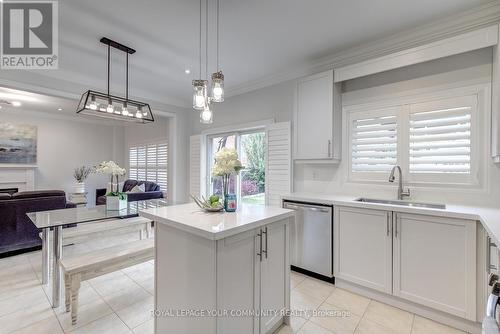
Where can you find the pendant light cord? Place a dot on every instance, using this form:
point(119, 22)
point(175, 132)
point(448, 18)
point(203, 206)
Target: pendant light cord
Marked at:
point(126, 85)
point(200, 39)
point(218, 35)
point(206, 39)
point(109, 71)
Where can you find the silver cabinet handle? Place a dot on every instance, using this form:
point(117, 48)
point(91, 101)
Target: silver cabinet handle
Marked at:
point(388, 224)
point(265, 243)
point(329, 148)
point(396, 226)
point(260, 242)
point(488, 254)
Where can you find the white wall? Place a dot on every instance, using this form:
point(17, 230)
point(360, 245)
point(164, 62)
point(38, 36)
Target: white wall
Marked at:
point(67, 143)
point(277, 102)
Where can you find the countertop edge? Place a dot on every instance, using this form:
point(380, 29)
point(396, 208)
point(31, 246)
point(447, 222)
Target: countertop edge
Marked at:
point(217, 235)
point(451, 211)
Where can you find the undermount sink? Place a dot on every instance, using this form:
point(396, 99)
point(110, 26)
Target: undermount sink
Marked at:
point(402, 203)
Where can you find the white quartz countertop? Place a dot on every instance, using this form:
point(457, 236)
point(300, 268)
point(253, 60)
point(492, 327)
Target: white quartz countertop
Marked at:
point(488, 216)
point(216, 225)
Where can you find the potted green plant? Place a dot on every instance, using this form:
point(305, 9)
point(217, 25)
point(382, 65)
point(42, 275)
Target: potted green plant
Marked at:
point(80, 174)
point(115, 200)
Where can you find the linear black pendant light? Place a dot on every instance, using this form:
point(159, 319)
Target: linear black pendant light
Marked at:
point(109, 106)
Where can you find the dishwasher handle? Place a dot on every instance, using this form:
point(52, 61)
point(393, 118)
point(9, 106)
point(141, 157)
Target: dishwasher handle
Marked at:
point(306, 207)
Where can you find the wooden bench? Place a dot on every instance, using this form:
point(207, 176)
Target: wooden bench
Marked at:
point(83, 267)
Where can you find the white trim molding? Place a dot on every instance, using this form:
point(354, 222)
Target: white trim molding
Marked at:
point(462, 43)
point(476, 18)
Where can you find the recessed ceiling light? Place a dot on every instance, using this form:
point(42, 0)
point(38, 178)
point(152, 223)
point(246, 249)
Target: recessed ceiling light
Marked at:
point(59, 109)
point(16, 103)
point(187, 71)
point(0, 106)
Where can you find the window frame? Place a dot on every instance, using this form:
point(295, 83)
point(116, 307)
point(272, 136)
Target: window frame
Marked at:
point(479, 114)
point(155, 143)
point(238, 134)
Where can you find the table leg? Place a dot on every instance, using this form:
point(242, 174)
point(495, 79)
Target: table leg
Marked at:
point(56, 269)
point(45, 255)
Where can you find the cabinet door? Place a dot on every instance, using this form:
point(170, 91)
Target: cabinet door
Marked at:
point(363, 247)
point(435, 262)
point(313, 121)
point(274, 273)
point(238, 279)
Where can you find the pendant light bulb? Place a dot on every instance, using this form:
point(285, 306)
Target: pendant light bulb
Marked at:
point(200, 95)
point(206, 116)
point(218, 87)
point(125, 110)
point(93, 104)
point(110, 109)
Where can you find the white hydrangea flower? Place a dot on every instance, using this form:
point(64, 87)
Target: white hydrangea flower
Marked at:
point(226, 162)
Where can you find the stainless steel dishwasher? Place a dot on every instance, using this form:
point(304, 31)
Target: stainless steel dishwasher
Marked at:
point(311, 239)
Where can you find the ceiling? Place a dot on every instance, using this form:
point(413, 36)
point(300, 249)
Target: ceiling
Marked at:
point(33, 102)
point(258, 38)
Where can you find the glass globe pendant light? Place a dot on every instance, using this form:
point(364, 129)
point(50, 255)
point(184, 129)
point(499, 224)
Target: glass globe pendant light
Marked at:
point(206, 116)
point(200, 94)
point(217, 77)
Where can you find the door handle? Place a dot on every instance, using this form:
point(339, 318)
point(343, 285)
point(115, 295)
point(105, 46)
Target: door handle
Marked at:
point(265, 242)
point(259, 254)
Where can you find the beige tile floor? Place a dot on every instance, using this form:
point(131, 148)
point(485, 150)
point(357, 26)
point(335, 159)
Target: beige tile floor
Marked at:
point(121, 302)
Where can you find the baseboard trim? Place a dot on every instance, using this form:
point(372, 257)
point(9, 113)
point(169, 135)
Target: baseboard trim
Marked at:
point(19, 251)
point(426, 312)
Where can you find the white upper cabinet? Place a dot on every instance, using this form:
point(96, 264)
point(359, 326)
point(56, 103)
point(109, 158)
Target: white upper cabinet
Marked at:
point(317, 118)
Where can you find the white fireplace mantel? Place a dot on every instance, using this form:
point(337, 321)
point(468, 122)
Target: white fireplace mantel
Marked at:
point(17, 176)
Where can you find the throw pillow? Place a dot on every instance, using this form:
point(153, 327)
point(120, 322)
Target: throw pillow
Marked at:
point(138, 189)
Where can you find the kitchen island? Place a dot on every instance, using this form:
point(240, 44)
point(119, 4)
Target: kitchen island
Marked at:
point(221, 272)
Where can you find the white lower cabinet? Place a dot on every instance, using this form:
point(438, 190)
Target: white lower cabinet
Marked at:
point(363, 247)
point(435, 262)
point(424, 259)
point(253, 274)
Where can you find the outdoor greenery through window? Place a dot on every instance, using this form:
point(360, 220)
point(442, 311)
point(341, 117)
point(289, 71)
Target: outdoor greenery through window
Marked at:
point(249, 185)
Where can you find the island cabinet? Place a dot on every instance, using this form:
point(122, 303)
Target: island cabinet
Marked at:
point(253, 275)
point(226, 276)
point(424, 259)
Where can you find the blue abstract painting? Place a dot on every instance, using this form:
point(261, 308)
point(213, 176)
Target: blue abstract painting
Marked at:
point(18, 144)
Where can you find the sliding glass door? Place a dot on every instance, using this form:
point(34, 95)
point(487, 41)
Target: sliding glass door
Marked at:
point(250, 184)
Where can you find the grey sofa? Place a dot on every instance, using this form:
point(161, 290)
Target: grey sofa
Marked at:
point(17, 232)
point(152, 191)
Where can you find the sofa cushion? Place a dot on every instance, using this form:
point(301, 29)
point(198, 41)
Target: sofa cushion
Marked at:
point(39, 193)
point(4, 196)
point(149, 186)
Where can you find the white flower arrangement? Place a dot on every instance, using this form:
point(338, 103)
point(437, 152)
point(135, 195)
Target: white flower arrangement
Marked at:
point(111, 168)
point(226, 164)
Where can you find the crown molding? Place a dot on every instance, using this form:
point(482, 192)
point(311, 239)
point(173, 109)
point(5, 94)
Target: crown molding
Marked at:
point(475, 18)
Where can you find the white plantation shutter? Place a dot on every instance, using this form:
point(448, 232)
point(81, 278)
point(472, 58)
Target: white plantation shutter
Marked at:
point(149, 163)
point(278, 162)
point(440, 136)
point(374, 141)
point(195, 165)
